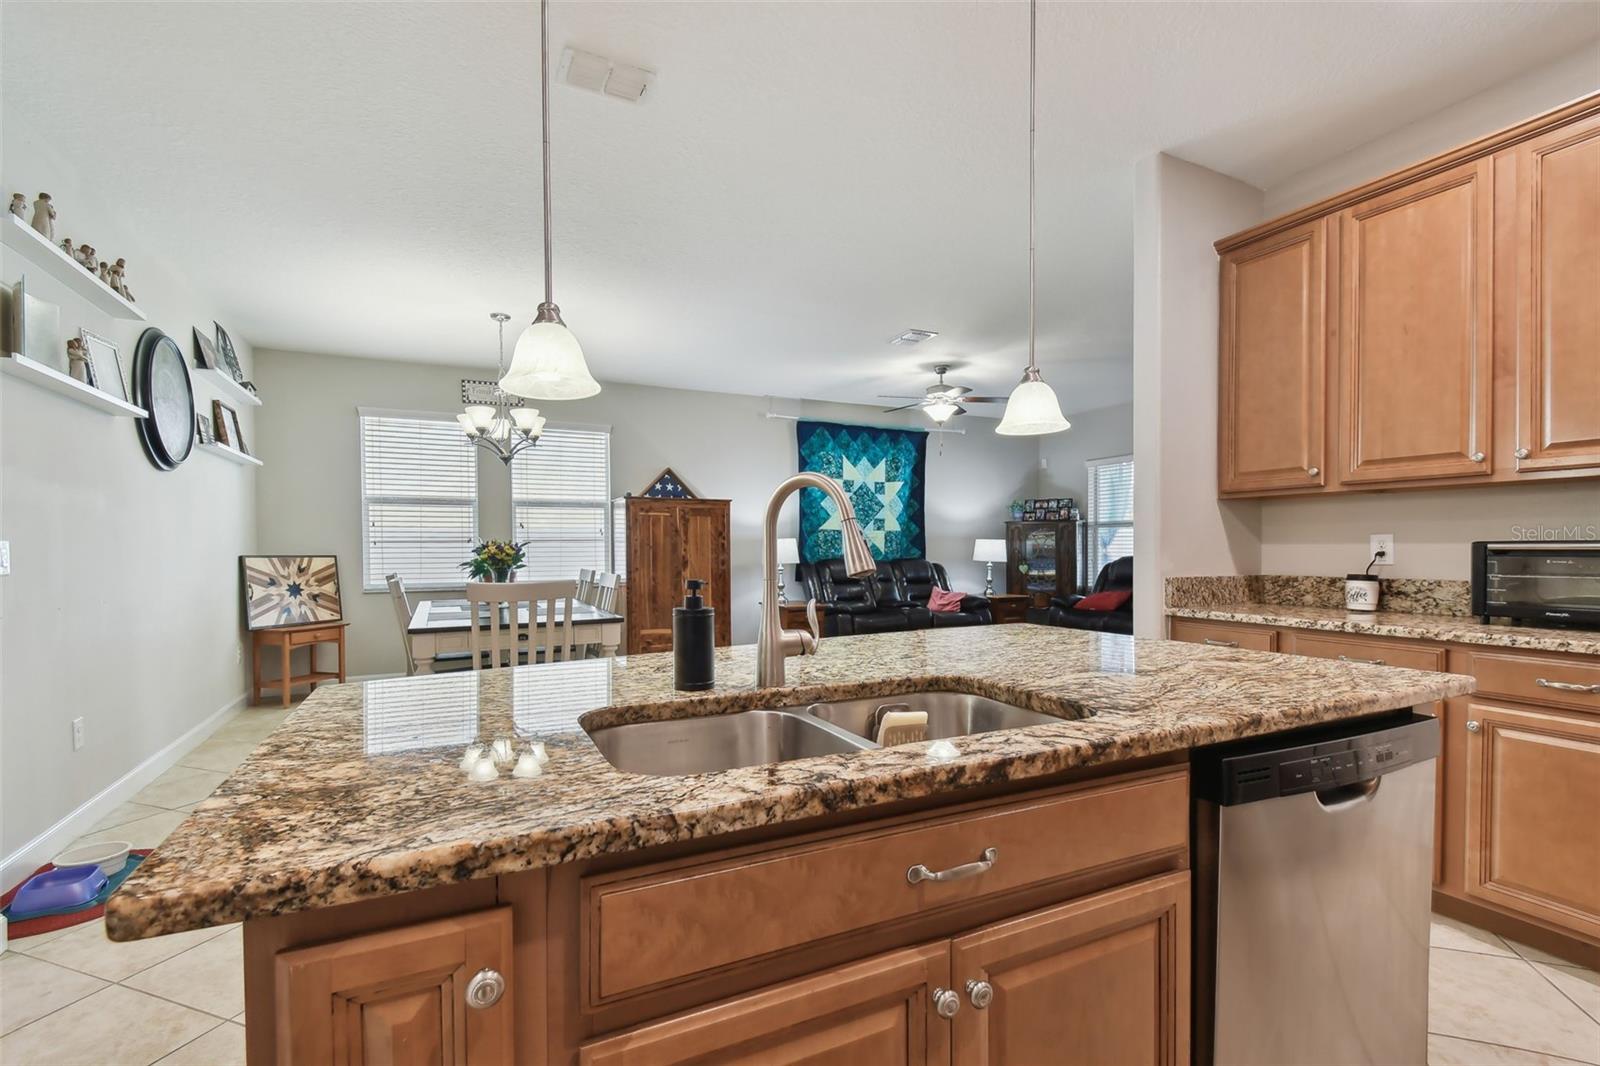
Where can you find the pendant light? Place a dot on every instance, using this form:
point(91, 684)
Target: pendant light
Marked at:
point(548, 362)
point(1032, 409)
point(499, 427)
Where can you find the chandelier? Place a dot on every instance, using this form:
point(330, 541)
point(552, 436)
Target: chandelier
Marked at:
point(501, 427)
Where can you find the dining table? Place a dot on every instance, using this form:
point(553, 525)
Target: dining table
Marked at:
point(443, 627)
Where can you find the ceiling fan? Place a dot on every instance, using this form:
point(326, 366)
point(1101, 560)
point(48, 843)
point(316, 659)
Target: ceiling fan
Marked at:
point(942, 402)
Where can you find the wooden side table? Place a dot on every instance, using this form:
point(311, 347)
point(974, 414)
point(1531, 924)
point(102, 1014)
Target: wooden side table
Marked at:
point(286, 639)
point(1009, 607)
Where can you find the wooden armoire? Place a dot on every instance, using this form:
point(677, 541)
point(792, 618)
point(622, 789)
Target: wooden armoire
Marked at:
point(660, 544)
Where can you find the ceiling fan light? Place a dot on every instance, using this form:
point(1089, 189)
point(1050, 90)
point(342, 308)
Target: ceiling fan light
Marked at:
point(548, 363)
point(1032, 409)
point(940, 411)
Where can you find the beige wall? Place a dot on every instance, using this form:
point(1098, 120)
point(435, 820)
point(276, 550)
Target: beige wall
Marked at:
point(721, 444)
point(122, 604)
point(1180, 527)
point(1432, 528)
point(1099, 434)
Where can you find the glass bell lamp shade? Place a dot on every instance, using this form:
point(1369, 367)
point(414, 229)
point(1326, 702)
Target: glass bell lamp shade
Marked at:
point(468, 424)
point(941, 411)
point(1032, 410)
point(528, 421)
point(548, 363)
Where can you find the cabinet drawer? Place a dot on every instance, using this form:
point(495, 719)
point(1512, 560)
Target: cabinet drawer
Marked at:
point(1367, 650)
point(314, 636)
point(1224, 635)
point(642, 930)
point(1555, 681)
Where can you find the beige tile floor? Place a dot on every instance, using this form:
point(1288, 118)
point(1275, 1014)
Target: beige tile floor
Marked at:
point(74, 997)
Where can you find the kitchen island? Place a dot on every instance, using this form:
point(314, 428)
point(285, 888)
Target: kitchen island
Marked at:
point(654, 918)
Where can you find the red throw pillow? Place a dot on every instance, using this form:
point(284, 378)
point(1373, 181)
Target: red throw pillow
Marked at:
point(1103, 601)
point(944, 602)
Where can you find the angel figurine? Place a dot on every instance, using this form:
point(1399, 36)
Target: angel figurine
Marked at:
point(105, 272)
point(72, 253)
point(44, 217)
point(78, 361)
point(86, 257)
point(19, 205)
point(118, 283)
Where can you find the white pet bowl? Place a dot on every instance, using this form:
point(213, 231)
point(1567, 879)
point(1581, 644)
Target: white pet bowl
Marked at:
point(110, 855)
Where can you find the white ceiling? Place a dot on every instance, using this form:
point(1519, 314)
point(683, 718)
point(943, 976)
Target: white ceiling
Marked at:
point(803, 181)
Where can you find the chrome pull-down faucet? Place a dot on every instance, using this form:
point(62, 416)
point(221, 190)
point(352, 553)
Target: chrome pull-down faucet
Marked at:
point(775, 644)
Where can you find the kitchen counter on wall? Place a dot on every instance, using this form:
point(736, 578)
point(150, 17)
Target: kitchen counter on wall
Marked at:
point(358, 794)
point(1441, 627)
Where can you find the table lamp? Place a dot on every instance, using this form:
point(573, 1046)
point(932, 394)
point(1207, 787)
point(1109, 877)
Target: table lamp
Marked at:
point(788, 552)
point(988, 551)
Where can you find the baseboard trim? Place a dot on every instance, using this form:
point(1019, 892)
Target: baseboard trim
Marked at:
point(38, 851)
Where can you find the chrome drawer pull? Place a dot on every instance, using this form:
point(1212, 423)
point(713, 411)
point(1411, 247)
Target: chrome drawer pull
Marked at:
point(1222, 643)
point(1473, 727)
point(920, 872)
point(980, 992)
point(485, 988)
point(1522, 453)
point(1312, 471)
point(1363, 662)
point(1567, 686)
point(1476, 457)
point(946, 1002)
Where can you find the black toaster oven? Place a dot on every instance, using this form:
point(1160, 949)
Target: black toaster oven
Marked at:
point(1547, 583)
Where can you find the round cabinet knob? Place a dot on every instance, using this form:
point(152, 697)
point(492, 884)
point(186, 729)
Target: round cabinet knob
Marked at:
point(485, 988)
point(1523, 453)
point(1312, 471)
point(946, 1002)
point(981, 993)
point(1477, 457)
point(1473, 727)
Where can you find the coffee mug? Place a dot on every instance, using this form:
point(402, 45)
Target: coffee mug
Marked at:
point(1360, 593)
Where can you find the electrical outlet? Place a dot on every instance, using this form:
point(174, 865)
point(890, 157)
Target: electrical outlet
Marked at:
point(77, 734)
point(1381, 542)
point(5, 557)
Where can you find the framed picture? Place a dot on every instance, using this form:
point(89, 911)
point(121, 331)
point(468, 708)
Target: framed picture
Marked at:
point(202, 430)
point(290, 590)
point(1052, 516)
point(205, 353)
point(36, 328)
point(104, 364)
point(227, 360)
point(1038, 515)
point(225, 421)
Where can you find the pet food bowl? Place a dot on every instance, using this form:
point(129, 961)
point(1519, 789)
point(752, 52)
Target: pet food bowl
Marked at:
point(61, 889)
point(110, 855)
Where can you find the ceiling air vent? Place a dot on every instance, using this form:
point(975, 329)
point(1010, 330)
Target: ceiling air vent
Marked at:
point(915, 336)
point(585, 70)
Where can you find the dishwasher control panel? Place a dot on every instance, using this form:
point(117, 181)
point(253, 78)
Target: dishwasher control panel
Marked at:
point(1327, 757)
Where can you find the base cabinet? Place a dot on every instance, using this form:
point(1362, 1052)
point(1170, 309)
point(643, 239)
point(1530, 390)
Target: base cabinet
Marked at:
point(1533, 787)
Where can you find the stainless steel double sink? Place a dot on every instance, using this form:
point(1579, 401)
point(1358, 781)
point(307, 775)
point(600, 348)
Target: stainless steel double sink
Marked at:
point(759, 737)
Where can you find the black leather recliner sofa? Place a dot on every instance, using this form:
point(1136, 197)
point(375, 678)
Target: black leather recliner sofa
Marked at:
point(1117, 575)
point(892, 600)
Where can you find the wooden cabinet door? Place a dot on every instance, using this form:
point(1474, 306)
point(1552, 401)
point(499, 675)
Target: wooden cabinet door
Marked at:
point(877, 1011)
point(1558, 299)
point(655, 554)
point(703, 540)
point(1272, 378)
point(397, 996)
point(1533, 787)
point(1416, 336)
point(1098, 980)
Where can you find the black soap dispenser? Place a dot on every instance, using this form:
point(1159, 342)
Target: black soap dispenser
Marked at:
point(693, 641)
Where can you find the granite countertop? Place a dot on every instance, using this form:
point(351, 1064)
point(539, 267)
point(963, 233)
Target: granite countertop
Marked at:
point(358, 793)
point(1441, 627)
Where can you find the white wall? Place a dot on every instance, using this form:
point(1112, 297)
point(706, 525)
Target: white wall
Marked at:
point(1180, 527)
point(1432, 528)
point(1098, 434)
point(719, 443)
point(122, 606)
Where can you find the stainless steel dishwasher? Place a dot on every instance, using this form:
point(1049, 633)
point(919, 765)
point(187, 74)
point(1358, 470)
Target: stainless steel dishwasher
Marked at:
point(1314, 858)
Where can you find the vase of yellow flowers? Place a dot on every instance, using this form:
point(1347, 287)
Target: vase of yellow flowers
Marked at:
point(495, 560)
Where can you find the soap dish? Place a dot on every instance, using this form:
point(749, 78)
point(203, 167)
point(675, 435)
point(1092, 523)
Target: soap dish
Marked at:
point(60, 889)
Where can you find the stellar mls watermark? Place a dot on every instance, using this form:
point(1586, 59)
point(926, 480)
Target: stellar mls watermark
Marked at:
point(1591, 531)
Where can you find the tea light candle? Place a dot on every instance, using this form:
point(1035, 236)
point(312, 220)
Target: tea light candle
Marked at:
point(470, 757)
point(941, 750)
point(528, 765)
point(536, 749)
point(483, 770)
point(503, 752)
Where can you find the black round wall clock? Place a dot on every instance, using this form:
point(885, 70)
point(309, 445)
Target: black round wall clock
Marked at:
point(161, 386)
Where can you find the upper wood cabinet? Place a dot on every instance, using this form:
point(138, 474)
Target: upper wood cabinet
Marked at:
point(400, 996)
point(1272, 378)
point(1437, 326)
point(1558, 299)
point(1533, 785)
point(1416, 346)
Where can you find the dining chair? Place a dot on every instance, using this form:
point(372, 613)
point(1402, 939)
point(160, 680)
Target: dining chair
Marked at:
point(402, 615)
point(494, 645)
point(585, 590)
point(605, 592)
point(553, 641)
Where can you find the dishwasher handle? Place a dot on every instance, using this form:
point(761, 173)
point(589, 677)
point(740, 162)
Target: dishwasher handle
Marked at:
point(1343, 797)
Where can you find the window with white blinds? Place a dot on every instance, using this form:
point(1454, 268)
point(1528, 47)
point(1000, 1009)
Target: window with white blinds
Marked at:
point(560, 498)
point(419, 499)
point(1108, 521)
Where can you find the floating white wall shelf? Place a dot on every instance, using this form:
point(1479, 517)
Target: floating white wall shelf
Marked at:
point(225, 452)
point(32, 246)
point(228, 390)
point(36, 373)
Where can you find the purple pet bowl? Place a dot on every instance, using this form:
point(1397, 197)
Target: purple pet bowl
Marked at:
point(60, 889)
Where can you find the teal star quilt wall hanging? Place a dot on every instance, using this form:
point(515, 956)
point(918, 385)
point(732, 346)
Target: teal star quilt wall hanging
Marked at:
point(883, 471)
